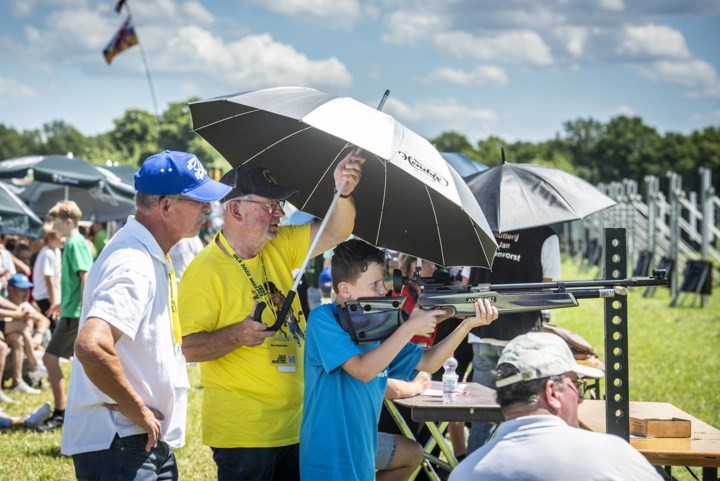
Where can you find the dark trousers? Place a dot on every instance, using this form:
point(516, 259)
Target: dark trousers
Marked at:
point(127, 460)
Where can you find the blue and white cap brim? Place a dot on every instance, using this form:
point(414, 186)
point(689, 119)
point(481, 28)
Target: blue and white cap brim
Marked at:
point(209, 191)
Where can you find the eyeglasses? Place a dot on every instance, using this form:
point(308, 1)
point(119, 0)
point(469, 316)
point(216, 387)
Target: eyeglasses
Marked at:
point(179, 198)
point(580, 385)
point(271, 206)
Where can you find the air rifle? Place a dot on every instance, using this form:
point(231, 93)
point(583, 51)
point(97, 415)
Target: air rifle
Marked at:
point(372, 319)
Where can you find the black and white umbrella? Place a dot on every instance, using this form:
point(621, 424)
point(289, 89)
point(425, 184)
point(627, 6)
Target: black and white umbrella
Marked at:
point(409, 199)
point(520, 196)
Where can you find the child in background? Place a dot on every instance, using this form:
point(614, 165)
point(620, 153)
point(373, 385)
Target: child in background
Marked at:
point(345, 382)
point(32, 420)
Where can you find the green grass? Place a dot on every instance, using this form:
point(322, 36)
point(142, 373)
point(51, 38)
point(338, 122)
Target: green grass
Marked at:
point(673, 358)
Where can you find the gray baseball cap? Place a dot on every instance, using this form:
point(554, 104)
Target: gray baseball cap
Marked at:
point(541, 354)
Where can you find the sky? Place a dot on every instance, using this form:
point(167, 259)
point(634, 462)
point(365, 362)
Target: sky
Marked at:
point(517, 69)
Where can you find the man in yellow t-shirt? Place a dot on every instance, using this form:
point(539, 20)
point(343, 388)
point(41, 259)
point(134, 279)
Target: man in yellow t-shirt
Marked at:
point(252, 376)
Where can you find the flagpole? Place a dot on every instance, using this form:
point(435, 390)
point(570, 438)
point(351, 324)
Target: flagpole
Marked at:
point(147, 71)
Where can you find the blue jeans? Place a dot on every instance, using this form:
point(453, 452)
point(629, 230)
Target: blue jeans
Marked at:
point(258, 464)
point(485, 358)
point(127, 460)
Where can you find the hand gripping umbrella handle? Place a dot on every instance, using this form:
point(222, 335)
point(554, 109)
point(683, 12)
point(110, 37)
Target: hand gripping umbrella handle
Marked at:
point(285, 309)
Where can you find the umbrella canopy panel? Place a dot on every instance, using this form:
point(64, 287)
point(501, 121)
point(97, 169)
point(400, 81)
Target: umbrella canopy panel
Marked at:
point(56, 169)
point(462, 164)
point(520, 196)
point(15, 216)
point(409, 199)
point(102, 203)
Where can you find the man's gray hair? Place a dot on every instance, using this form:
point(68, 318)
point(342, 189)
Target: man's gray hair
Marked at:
point(146, 202)
point(525, 392)
point(227, 202)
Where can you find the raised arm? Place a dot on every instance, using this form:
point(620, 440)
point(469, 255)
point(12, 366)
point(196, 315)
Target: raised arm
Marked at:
point(342, 219)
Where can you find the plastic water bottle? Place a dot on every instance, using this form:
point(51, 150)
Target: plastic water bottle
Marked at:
point(449, 380)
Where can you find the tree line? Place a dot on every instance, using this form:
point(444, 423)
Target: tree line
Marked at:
point(623, 148)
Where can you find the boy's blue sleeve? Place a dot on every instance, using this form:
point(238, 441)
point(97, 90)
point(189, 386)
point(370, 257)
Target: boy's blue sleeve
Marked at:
point(404, 364)
point(327, 345)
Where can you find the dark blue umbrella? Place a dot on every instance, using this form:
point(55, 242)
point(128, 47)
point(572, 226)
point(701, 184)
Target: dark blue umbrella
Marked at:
point(463, 164)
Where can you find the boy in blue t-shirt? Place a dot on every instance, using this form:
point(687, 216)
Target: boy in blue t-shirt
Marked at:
point(345, 382)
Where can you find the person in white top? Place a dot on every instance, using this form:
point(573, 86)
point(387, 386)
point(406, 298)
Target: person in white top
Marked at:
point(183, 252)
point(127, 398)
point(46, 272)
point(539, 391)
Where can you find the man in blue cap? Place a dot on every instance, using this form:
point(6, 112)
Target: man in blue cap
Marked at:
point(127, 398)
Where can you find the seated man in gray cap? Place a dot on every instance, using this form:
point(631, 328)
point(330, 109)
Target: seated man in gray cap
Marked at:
point(539, 389)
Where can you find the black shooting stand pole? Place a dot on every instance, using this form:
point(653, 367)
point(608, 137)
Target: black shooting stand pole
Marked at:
point(617, 402)
point(287, 304)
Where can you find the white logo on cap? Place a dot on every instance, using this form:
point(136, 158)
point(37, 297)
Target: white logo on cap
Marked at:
point(194, 164)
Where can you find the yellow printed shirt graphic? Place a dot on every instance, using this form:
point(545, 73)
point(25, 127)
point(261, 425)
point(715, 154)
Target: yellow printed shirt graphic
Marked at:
point(252, 396)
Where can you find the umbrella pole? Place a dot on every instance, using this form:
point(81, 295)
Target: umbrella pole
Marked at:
point(285, 309)
point(293, 290)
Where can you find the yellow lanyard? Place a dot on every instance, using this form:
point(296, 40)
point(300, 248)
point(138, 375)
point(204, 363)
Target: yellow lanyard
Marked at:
point(172, 287)
point(260, 291)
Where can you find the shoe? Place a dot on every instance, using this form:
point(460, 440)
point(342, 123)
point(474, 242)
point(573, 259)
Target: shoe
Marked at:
point(39, 416)
point(38, 374)
point(5, 398)
point(51, 423)
point(23, 387)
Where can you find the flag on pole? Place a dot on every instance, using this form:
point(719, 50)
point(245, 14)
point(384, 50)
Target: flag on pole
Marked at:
point(119, 5)
point(123, 40)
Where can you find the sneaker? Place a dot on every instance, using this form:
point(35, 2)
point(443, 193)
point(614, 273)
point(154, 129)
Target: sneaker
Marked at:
point(51, 423)
point(39, 416)
point(5, 398)
point(38, 374)
point(23, 387)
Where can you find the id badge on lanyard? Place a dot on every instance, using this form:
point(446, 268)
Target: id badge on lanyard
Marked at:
point(283, 354)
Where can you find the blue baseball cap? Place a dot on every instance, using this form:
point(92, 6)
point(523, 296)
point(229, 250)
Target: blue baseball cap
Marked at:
point(172, 173)
point(20, 281)
point(325, 279)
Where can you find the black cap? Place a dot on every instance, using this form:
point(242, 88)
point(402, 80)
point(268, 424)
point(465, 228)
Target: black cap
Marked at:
point(255, 180)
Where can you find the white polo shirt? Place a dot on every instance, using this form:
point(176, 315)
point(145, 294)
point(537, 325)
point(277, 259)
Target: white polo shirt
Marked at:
point(128, 288)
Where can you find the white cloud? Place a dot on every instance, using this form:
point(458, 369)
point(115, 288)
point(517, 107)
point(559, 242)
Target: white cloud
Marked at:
point(654, 41)
point(699, 75)
point(574, 39)
point(432, 116)
point(12, 88)
point(197, 13)
point(24, 8)
point(483, 75)
point(519, 46)
point(407, 27)
point(706, 117)
point(335, 13)
point(253, 61)
point(248, 62)
point(614, 5)
point(623, 109)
